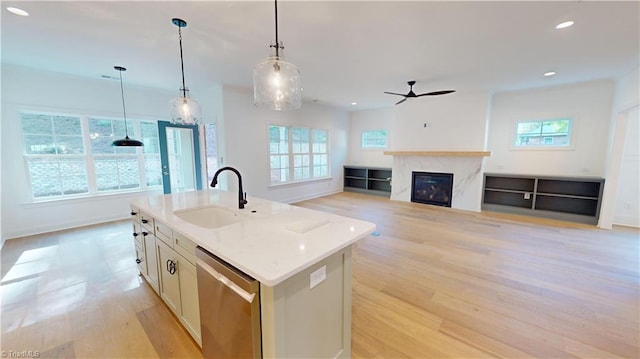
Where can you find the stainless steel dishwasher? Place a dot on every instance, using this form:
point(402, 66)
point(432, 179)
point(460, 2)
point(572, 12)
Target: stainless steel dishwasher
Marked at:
point(229, 309)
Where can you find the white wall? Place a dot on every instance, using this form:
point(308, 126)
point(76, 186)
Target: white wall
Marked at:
point(245, 130)
point(627, 210)
point(621, 197)
point(454, 122)
point(34, 90)
point(360, 121)
point(590, 105)
point(627, 93)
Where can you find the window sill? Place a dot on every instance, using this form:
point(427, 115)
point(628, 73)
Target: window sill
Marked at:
point(543, 148)
point(86, 198)
point(305, 181)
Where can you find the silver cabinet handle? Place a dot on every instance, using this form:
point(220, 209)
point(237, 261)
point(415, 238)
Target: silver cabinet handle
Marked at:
point(171, 266)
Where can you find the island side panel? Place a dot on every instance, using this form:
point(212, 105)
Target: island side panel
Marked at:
point(299, 321)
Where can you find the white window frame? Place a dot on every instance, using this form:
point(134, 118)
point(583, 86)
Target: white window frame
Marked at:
point(362, 138)
point(291, 155)
point(573, 125)
point(88, 157)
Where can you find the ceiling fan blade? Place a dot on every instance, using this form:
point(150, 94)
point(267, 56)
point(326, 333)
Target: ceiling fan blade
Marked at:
point(435, 93)
point(401, 101)
point(393, 93)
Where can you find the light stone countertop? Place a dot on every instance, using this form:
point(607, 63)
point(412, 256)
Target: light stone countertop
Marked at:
point(272, 244)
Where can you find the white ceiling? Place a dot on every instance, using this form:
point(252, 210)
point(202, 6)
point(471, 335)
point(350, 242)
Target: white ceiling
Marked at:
point(347, 51)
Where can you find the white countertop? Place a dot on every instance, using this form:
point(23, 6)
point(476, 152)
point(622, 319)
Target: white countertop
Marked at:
point(274, 243)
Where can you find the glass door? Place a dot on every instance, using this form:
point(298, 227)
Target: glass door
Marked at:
point(180, 157)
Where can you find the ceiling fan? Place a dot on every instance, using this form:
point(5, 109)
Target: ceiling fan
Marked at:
point(412, 94)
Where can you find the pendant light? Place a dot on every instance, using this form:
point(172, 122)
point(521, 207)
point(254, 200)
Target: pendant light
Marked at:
point(126, 141)
point(184, 110)
point(277, 84)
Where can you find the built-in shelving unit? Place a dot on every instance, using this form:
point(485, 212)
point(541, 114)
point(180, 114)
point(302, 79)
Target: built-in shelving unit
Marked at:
point(575, 199)
point(372, 180)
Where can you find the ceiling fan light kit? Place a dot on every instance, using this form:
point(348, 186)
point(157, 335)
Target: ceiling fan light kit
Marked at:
point(184, 110)
point(412, 94)
point(277, 84)
point(126, 141)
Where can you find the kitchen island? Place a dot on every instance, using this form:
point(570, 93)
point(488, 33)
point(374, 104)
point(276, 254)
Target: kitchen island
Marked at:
point(300, 257)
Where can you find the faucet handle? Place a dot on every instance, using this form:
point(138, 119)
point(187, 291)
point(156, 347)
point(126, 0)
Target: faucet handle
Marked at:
point(244, 198)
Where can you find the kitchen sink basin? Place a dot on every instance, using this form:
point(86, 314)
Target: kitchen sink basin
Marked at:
point(210, 217)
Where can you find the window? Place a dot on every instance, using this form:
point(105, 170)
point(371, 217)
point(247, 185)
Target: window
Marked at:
point(298, 154)
point(211, 147)
point(543, 133)
point(54, 152)
point(374, 139)
point(72, 155)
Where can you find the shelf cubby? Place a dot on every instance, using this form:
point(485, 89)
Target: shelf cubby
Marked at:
point(566, 198)
point(371, 180)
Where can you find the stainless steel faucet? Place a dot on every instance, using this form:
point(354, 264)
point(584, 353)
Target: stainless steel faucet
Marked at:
point(242, 196)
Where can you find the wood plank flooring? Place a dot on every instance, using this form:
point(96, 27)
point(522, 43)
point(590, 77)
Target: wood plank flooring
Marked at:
point(439, 283)
point(435, 283)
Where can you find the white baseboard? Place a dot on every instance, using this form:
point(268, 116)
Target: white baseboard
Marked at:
point(62, 226)
point(311, 196)
point(628, 221)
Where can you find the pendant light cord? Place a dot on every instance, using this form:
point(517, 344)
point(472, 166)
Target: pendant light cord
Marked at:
point(184, 87)
point(277, 43)
point(124, 111)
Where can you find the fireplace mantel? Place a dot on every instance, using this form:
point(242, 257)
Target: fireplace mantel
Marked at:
point(440, 153)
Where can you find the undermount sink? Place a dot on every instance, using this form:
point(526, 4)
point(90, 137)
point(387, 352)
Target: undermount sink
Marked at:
point(210, 217)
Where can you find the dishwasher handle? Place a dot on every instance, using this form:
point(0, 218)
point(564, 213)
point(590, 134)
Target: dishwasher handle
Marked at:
point(224, 280)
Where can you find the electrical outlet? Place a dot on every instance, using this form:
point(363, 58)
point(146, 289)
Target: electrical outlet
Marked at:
point(317, 277)
point(527, 195)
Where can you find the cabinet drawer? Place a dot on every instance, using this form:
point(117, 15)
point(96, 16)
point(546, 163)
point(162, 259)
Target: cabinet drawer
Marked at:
point(141, 258)
point(146, 221)
point(135, 214)
point(139, 246)
point(137, 233)
point(164, 233)
point(185, 247)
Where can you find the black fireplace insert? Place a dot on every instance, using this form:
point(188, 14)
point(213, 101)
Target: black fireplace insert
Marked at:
point(432, 188)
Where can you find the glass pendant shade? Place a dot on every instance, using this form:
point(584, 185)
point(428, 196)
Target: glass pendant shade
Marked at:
point(277, 84)
point(185, 110)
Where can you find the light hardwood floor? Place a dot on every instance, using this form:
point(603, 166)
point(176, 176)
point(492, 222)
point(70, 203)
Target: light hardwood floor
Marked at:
point(435, 283)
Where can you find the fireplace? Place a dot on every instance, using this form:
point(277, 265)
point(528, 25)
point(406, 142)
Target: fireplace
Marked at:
point(432, 188)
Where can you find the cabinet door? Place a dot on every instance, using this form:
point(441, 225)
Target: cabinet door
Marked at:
point(140, 259)
point(189, 299)
point(151, 255)
point(169, 277)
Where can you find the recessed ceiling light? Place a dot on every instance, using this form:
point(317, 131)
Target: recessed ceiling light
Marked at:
point(564, 25)
point(15, 10)
point(550, 73)
point(354, 103)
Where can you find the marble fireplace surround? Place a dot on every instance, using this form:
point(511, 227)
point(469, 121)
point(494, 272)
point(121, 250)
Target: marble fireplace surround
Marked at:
point(466, 167)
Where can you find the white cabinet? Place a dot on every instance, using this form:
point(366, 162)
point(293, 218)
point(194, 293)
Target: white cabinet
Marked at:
point(151, 261)
point(179, 288)
point(170, 272)
point(169, 277)
point(190, 317)
point(145, 250)
point(139, 247)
